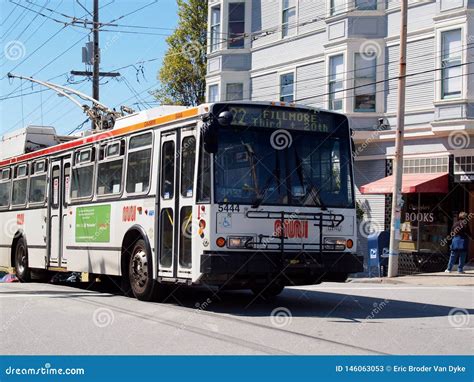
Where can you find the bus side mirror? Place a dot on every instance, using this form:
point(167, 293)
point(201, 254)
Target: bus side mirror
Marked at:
point(210, 129)
point(209, 134)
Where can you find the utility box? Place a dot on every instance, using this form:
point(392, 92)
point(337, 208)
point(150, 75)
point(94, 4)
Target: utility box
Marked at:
point(379, 244)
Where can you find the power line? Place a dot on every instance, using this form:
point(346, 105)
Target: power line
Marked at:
point(326, 76)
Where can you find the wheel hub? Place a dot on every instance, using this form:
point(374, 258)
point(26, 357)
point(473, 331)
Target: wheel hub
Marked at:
point(140, 268)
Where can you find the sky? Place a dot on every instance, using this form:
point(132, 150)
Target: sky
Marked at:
point(38, 46)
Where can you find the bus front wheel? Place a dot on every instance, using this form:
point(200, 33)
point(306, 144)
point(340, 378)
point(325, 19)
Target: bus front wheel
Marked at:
point(140, 272)
point(22, 270)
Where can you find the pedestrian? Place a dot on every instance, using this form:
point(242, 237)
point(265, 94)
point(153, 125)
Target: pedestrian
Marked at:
point(460, 238)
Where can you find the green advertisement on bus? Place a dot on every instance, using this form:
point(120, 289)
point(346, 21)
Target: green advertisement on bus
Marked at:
point(93, 224)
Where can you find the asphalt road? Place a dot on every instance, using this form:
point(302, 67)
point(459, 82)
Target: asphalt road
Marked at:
point(351, 318)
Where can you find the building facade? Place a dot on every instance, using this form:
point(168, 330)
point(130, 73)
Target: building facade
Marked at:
point(343, 55)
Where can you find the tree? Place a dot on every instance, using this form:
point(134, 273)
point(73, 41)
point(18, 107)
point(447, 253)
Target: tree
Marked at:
point(183, 72)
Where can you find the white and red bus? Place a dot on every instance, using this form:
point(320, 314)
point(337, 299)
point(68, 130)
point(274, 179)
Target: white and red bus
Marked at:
point(235, 195)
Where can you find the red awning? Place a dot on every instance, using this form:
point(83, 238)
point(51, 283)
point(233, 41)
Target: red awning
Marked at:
point(411, 183)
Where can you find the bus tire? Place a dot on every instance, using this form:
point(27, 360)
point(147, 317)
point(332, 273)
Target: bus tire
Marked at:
point(22, 270)
point(140, 272)
point(268, 291)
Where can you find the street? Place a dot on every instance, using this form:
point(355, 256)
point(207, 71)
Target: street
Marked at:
point(351, 318)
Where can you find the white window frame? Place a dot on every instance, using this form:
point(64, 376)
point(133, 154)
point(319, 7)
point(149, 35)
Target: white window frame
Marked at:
point(440, 59)
point(280, 75)
point(329, 82)
point(294, 29)
point(209, 86)
point(332, 9)
point(215, 29)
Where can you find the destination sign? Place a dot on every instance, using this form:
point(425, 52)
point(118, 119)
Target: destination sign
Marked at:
point(284, 118)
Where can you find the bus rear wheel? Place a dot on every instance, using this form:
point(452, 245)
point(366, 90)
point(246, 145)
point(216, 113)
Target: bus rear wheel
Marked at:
point(140, 272)
point(22, 270)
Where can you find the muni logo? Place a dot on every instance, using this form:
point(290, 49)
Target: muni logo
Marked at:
point(291, 229)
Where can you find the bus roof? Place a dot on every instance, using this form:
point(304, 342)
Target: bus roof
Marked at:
point(124, 125)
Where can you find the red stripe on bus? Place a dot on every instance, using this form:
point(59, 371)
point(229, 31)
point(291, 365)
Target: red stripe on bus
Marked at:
point(101, 136)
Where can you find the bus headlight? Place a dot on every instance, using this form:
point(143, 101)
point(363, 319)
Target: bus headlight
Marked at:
point(335, 243)
point(239, 241)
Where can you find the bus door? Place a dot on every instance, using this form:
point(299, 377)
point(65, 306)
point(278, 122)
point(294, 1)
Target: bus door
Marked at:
point(59, 186)
point(177, 165)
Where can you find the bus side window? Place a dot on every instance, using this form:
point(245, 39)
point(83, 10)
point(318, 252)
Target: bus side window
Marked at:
point(139, 164)
point(204, 176)
point(82, 174)
point(5, 187)
point(167, 173)
point(20, 185)
point(38, 189)
point(110, 169)
point(188, 158)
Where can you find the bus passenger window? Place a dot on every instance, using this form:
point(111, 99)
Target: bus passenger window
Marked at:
point(81, 185)
point(109, 177)
point(166, 254)
point(138, 171)
point(38, 189)
point(167, 170)
point(5, 187)
point(19, 192)
point(188, 158)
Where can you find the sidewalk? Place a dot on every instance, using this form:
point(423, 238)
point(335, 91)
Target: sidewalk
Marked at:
point(426, 279)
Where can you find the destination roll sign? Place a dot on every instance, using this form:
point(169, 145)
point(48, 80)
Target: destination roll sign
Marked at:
point(283, 118)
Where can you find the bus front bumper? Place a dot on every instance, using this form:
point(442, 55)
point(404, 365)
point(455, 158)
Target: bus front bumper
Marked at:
point(301, 268)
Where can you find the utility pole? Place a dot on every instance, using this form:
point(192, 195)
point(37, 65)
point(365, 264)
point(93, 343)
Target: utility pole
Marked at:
point(398, 160)
point(96, 62)
point(94, 57)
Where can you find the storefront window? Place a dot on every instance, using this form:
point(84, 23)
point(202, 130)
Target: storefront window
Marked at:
point(424, 224)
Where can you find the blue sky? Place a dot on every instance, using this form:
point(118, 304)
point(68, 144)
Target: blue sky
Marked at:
point(26, 51)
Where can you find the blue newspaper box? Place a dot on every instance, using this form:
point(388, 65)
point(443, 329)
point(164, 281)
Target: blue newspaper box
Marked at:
point(378, 244)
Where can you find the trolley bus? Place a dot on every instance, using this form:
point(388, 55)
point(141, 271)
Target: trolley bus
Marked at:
point(243, 195)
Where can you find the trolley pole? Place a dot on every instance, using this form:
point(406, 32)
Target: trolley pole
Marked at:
point(398, 160)
point(95, 70)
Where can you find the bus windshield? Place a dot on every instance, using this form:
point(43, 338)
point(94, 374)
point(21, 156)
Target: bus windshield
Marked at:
point(261, 166)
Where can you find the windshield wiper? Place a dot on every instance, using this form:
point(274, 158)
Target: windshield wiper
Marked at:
point(253, 167)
